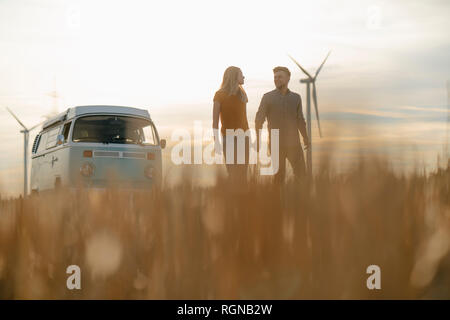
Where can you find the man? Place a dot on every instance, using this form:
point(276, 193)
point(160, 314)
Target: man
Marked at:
point(283, 110)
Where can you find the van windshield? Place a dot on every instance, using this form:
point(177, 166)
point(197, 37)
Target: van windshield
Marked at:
point(114, 129)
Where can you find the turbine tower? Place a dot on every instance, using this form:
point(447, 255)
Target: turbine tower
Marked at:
point(448, 123)
point(55, 96)
point(311, 81)
point(26, 135)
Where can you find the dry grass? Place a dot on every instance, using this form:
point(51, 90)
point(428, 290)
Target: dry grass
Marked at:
point(224, 242)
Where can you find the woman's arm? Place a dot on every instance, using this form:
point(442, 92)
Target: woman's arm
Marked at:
point(216, 113)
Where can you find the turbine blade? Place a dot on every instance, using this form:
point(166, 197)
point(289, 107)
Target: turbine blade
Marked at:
point(314, 94)
point(20, 122)
point(298, 64)
point(37, 125)
point(320, 68)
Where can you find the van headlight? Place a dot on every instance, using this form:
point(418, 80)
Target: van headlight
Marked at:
point(149, 171)
point(87, 169)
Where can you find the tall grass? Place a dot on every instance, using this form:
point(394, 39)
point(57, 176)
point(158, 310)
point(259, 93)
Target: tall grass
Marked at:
point(235, 241)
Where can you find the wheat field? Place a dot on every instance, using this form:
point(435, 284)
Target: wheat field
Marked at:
point(228, 241)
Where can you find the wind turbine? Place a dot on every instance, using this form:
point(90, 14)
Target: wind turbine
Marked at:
point(311, 81)
point(55, 96)
point(26, 135)
point(447, 127)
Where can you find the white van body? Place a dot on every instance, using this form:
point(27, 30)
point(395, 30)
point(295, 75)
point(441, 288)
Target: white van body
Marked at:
point(93, 146)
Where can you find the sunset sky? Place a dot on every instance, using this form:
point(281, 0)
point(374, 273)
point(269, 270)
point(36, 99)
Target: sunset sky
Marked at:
point(385, 78)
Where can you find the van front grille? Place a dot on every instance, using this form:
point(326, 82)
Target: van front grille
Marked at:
point(120, 154)
point(111, 154)
point(138, 155)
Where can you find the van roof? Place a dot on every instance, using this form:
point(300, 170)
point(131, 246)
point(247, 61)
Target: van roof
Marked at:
point(80, 110)
point(96, 109)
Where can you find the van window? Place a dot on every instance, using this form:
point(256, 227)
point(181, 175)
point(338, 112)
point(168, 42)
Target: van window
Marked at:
point(51, 138)
point(36, 143)
point(66, 131)
point(114, 129)
point(149, 135)
point(42, 142)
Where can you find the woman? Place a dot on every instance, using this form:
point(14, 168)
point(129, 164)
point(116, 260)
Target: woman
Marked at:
point(230, 105)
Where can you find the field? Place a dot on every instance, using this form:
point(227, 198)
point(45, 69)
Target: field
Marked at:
point(233, 241)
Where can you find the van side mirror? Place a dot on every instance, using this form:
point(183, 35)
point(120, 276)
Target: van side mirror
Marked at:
point(59, 139)
point(163, 143)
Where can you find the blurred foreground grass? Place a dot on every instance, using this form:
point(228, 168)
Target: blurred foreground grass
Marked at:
point(235, 242)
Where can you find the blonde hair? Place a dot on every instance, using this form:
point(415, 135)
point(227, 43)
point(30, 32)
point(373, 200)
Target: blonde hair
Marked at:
point(230, 83)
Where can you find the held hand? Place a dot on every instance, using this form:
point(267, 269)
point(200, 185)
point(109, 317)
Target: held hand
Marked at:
point(307, 144)
point(258, 140)
point(217, 144)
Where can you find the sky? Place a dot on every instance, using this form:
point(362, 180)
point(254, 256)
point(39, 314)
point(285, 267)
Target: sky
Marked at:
point(382, 88)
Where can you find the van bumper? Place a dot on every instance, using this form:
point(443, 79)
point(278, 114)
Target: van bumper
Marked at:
point(105, 184)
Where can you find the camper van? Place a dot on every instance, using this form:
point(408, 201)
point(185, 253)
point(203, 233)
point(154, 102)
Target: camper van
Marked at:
point(97, 146)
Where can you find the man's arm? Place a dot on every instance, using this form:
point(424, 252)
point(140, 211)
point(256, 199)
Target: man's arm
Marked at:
point(260, 118)
point(301, 123)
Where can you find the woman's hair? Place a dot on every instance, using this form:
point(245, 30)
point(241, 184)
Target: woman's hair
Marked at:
point(230, 83)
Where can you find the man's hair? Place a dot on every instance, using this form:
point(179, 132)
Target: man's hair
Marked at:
point(276, 69)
